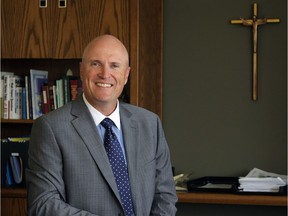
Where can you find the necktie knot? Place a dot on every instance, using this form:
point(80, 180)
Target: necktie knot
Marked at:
point(107, 123)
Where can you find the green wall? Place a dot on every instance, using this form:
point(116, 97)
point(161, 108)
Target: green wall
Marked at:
point(212, 126)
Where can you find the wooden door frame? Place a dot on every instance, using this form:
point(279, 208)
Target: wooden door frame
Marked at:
point(146, 54)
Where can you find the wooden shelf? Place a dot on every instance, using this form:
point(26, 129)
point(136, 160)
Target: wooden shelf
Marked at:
point(17, 121)
point(232, 199)
point(13, 193)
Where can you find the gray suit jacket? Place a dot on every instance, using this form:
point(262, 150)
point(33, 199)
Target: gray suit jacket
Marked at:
point(69, 172)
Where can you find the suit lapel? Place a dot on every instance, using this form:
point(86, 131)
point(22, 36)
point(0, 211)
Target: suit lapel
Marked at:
point(131, 141)
point(87, 130)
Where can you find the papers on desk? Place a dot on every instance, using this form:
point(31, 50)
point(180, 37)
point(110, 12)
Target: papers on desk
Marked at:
point(263, 184)
point(261, 181)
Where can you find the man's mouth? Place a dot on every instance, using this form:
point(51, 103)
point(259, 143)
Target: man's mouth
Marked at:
point(105, 85)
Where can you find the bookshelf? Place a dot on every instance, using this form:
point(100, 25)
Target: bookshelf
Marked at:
point(53, 39)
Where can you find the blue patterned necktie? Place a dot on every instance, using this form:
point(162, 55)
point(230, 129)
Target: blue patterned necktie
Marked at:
point(118, 165)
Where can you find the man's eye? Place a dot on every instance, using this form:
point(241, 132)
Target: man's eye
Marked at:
point(95, 64)
point(114, 66)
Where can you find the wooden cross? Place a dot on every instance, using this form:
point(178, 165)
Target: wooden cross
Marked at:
point(254, 23)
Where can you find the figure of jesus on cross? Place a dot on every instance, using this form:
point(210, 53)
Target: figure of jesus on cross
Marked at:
point(254, 23)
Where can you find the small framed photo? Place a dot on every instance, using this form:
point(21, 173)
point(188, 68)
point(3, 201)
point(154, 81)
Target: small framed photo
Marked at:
point(38, 78)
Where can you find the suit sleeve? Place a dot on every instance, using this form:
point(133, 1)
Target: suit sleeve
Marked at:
point(165, 195)
point(45, 184)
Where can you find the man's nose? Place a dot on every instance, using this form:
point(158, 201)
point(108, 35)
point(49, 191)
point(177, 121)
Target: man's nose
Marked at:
point(105, 72)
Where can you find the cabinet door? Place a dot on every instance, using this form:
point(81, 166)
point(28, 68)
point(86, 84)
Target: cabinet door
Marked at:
point(29, 31)
point(81, 21)
point(13, 206)
point(25, 29)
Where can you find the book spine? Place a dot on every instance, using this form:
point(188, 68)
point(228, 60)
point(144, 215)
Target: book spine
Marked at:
point(16, 92)
point(38, 78)
point(1, 97)
point(55, 96)
point(30, 104)
point(74, 89)
point(6, 97)
point(18, 103)
point(51, 97)
point(24, 108)
point(45, 104)
point(27, 97)
point(66, 89)
point(60, 96)
point(12, 98)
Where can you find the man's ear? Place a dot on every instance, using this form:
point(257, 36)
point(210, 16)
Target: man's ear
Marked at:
point(127, 75)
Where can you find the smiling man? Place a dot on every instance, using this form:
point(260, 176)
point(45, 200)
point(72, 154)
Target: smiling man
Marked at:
point(104, 71)
point(99, 156)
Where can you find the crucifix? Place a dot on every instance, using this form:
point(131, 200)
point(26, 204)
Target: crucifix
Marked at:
point(254, 22)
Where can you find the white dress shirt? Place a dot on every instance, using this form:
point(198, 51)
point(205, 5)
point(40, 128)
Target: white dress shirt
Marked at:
point(98, 117)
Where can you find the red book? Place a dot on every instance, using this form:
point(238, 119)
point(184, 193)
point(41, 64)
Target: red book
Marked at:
point(74, 88)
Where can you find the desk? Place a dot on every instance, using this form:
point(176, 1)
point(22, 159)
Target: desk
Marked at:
point(14, 200)
point(234, 199)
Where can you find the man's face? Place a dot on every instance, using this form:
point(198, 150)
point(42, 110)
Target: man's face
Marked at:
point(104, 72)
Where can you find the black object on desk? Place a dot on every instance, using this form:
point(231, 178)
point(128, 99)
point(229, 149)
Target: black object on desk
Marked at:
point(213, 184)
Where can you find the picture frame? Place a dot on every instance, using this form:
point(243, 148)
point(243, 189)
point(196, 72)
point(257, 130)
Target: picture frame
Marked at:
point(37, 78)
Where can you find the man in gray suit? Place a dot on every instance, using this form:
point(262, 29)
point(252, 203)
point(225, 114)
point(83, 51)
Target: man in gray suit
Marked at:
point(69, 171)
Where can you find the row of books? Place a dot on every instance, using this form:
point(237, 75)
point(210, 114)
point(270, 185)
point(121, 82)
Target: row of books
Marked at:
point(28, 97)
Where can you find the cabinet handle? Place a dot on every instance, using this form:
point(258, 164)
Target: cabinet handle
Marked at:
point(42, 3)
point(62, 3)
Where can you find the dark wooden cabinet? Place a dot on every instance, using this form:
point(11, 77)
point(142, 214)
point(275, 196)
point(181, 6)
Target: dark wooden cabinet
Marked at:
point(81, 21)
point(53, 39)
point(53, 32)
point(13, 202)
point(25, 30)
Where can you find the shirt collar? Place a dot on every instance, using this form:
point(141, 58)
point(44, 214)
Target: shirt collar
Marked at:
point(98, 116)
